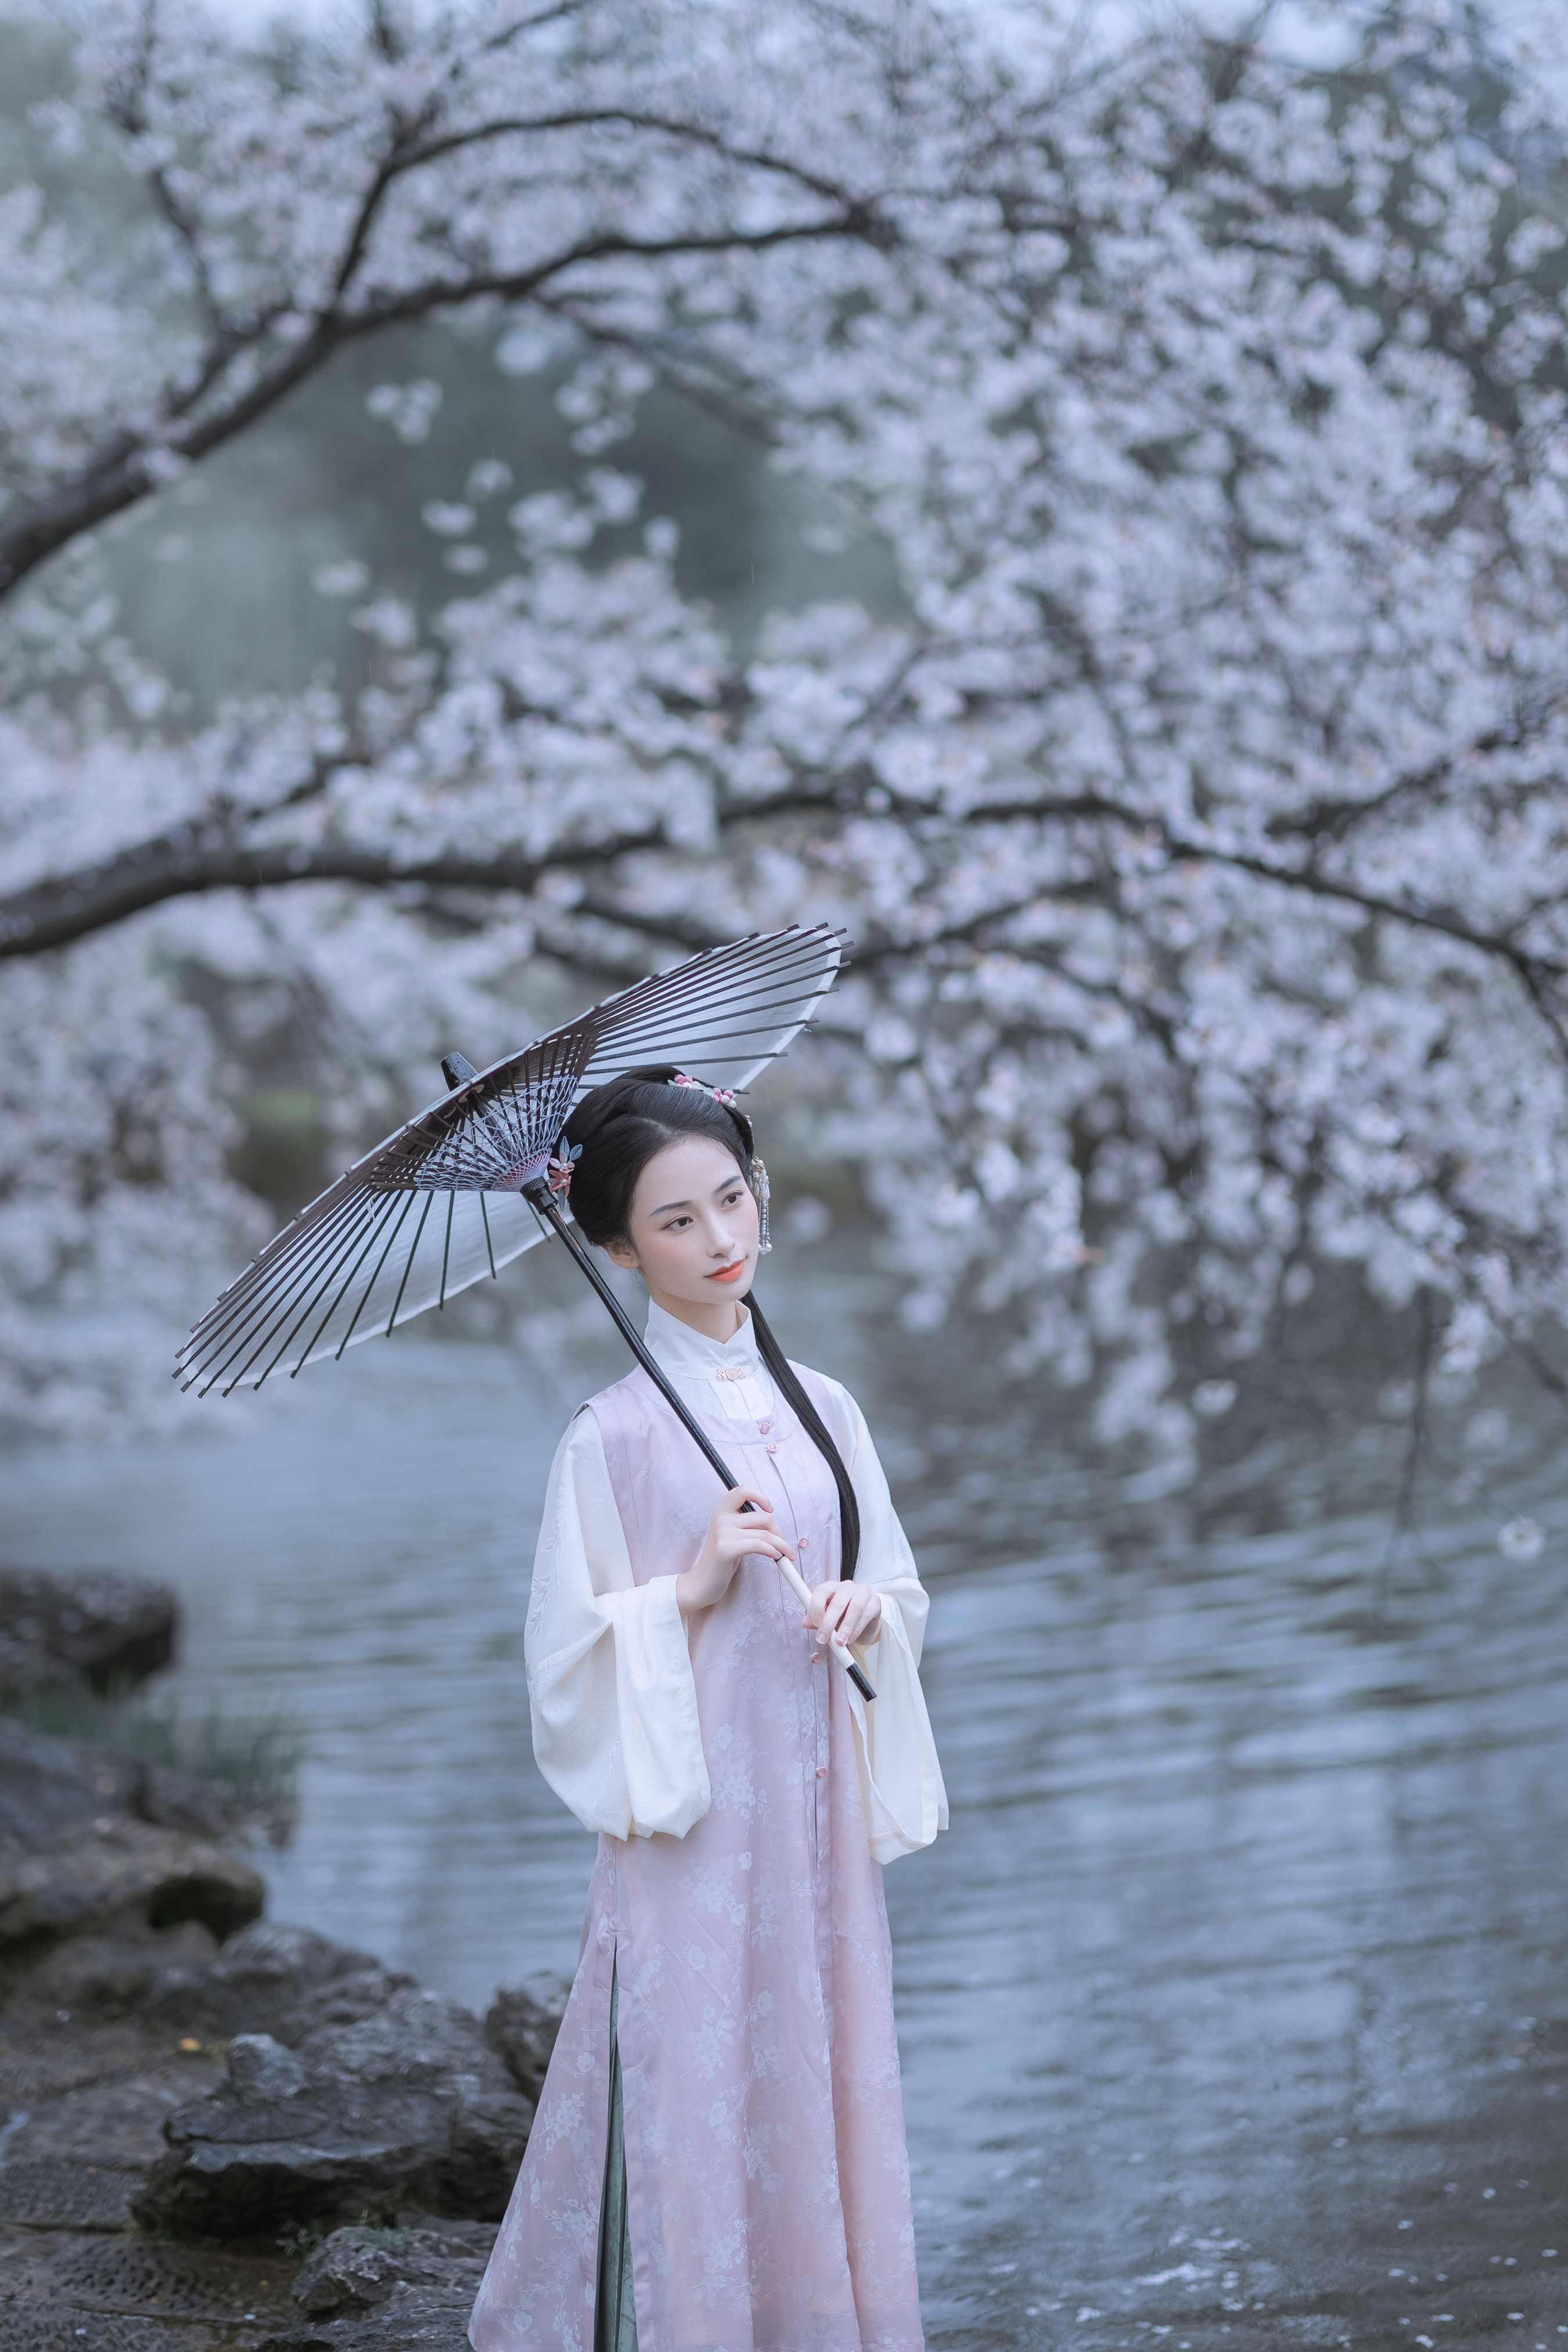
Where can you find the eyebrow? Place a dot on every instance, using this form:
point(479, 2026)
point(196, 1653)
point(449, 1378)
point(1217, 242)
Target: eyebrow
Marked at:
point(736, 1179)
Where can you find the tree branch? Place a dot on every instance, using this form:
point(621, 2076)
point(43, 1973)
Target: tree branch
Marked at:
point(130, 465)
point(211, 853)
point(182, 864)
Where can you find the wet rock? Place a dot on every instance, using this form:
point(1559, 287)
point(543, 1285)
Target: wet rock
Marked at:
point(429, 2316)
point(122, 1973)
point(409, 2107)
point(50, 1787)
point(524, 2030)
point(262, 2071)
point(92, 1626)
point(266, 1978)
point(358, 2269)
point(123, 1872)
point(287, 1983)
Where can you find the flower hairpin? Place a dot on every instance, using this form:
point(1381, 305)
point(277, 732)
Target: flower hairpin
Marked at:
point(720, 1094)
point(558, 1173)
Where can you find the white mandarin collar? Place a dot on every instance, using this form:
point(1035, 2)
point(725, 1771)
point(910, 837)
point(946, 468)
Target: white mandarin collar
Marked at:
point(689, 1355)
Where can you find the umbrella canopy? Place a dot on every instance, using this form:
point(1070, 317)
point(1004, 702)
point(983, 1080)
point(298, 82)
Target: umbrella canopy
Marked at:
point(441, 1204)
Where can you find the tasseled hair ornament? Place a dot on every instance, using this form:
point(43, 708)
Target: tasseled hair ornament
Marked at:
point(758, 1180)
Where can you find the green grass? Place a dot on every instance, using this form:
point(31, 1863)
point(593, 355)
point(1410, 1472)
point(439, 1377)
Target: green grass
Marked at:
point(251, 1755)
point(298, 2245)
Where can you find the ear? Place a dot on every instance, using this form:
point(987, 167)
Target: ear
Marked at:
point(620, 1253)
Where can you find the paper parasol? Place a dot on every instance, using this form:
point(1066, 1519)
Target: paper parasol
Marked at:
point(441, 1204)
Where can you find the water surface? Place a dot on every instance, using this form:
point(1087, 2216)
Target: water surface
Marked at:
point(1235, 2003)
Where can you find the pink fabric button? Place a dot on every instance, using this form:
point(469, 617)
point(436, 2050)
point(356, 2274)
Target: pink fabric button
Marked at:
point(764, 1427)
point(804, 1539)
point(772, 1449)
point(821, 1771)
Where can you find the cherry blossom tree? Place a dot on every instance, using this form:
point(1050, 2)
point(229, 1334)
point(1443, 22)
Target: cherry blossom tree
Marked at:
point(1199, 817)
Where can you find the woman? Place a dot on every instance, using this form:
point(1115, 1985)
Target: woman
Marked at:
point(717, 2163)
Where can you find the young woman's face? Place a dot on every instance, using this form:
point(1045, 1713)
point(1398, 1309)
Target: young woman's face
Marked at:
point(693, 1233)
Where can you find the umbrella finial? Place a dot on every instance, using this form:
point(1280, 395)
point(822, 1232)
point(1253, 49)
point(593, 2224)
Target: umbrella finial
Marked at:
point(456, 1070)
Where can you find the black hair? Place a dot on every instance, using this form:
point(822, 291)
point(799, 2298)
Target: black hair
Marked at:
point(620, 1126)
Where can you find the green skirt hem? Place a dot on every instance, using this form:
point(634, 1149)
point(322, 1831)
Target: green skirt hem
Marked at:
point(614, 2305)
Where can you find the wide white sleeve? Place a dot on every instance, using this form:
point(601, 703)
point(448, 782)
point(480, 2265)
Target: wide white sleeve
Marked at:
point(901, 1789)
point(609, 1673)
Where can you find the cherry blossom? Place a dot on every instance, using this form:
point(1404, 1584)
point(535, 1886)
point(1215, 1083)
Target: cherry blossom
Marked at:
point(1198, 817)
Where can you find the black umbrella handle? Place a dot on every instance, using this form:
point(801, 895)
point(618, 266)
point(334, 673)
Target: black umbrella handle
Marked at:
point(543, 1201)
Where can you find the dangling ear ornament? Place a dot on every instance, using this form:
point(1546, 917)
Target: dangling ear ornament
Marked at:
point(757, 1177)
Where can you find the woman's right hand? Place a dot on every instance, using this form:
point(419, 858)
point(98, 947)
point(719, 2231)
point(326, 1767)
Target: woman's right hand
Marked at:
point(732, 1536)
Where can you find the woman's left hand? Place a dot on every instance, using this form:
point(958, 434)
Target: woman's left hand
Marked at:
point(848, 1609)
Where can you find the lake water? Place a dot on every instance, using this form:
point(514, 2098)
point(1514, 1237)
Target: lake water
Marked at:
point(1234, 2004)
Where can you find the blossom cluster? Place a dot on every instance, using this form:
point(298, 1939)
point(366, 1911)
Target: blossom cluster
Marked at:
point(1199, 817)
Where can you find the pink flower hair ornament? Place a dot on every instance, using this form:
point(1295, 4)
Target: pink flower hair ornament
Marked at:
point(720, 1094)
point(558, 1172)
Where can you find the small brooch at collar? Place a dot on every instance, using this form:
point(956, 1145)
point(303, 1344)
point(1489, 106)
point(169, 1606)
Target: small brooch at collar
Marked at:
point(733, 1372)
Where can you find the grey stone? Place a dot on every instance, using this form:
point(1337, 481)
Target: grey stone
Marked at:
point(524, 2028)
point(124, 1972)
point(287, 1981)
point(358, 2269)
point(409, 2107)
point(88, 1626)
point(262, 2070)
point(51, 1787)
point(426, 2315)
point(122, 1873)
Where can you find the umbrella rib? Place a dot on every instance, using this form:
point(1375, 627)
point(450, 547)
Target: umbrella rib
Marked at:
point(276, 1311)
point(307, 1226)
point(375, 1277)
point(447, 1250)
point(408, 1269)
point(260, 1286)
point(370, 1244)
point(244, 1290)
point(255, 1316)
point(778, 993)
point(257, 1293)
point(489, 1248)
point(667, 991)
point(309, 1302)
point(779, 987)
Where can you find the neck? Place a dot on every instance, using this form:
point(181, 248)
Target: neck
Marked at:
point(721, 1320)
